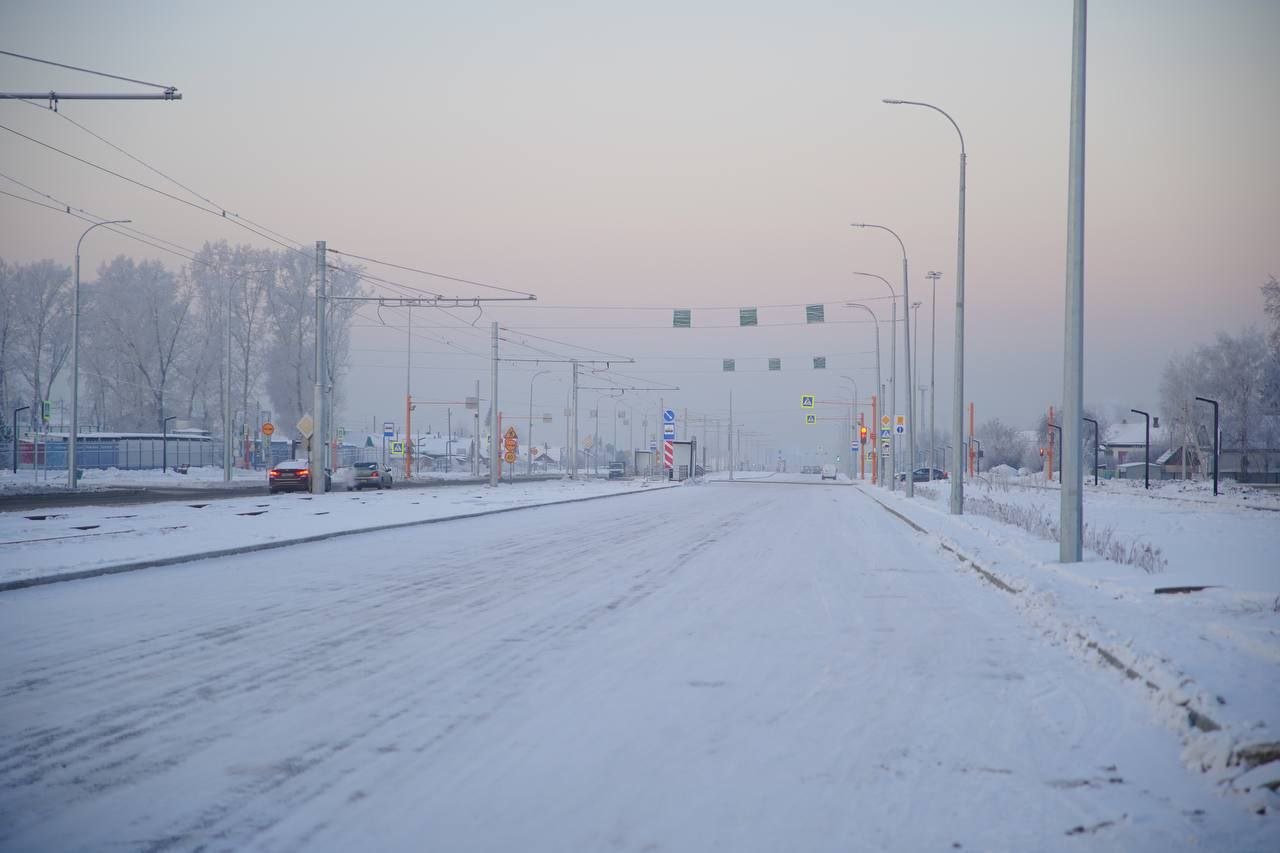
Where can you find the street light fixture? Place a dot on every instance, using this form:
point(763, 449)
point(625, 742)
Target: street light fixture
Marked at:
point(75, 357)
point(1213, 403)
point(529, 438)
point(14, 423)
point(906, 353)
point(887, 478)
point(874, 427)
point(957, 402)
point(164, 444)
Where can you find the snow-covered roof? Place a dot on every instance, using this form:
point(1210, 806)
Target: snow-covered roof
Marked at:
point(1132, 434)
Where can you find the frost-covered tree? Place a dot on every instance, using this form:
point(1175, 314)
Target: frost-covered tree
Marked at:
point(1001, 444)
point(290, 373)
point(145, 309)
point(42, 324)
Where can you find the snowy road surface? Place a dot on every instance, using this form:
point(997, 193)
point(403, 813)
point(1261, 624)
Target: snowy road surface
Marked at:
point(718, 667)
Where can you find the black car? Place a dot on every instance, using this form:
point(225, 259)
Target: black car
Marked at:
point(617, 470)
point(294, 475)
point(921, 475)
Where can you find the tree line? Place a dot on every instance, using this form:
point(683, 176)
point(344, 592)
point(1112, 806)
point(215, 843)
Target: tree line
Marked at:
point(1240, 371)
point(153, 340)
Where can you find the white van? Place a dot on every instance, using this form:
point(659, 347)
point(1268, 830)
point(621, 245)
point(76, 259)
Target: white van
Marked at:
point(828, 472)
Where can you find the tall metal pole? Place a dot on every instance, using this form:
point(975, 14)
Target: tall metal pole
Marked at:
point(1146, 454)
point(1095, 448)
point(573, 446)
point(1214, 404)
point(529, 437)
point(317, 452)
point(408, 393)
point(75, 359)
point(957, 391)
point(226, 407)
point(495, 440)
point(933, 275)
point(875, 427)
point(906, 354)
point(730, 435)
point(1071, 542)
point(886, 475)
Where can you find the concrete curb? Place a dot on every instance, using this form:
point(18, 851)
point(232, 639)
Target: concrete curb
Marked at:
point(158, 562)
point(1195, 718)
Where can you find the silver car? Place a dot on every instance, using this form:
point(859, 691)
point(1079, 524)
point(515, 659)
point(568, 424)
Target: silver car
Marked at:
point(370, 474)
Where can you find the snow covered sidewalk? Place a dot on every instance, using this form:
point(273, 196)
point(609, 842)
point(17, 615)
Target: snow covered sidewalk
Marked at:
point(79, 541)
point(1210, 659)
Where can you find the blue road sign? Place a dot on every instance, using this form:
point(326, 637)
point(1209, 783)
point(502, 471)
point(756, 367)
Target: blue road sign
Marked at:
point(884, 433)
point(653, 447)
point(668, 416)
point(388, 429)
point(669, 431)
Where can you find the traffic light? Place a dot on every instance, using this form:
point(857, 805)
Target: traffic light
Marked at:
point(862, 432)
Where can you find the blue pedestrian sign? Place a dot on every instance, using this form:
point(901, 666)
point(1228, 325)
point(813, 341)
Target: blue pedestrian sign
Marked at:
point(668, 416)
point(884, 433)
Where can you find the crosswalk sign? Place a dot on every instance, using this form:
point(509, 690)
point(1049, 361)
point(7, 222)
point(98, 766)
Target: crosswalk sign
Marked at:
point(810, 420)
point(806, 401)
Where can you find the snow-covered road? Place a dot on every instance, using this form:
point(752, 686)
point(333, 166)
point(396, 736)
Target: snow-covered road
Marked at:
point(724, 666)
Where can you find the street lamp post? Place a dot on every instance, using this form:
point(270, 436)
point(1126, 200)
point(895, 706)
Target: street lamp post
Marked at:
point(529, 438)
point(1146, 456)
point(853, 420)
point(886, 477)
point(1061, 450)
point(14, 423)
point(1095, 448)
point(75, 357)
point(874, 319)
point(906, 354)
point(957, 402)
point(1214, 404)
point(933, 276)
point(164, 444)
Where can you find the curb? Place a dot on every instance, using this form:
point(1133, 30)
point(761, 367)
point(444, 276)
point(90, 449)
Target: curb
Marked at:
point(1195, 718)
point(158, 562)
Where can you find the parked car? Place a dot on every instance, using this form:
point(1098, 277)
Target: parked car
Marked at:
point(617, 470)
point(294, 475)
point(365, 474)
point(828, 471)
point(921, 475)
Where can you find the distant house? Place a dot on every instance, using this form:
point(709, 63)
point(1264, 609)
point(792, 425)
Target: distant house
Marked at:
point(1125, 442)
point(1255, 465)
point(1172, 461)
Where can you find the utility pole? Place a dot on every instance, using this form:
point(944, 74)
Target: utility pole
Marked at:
point(316, 453)
point(933, 276)
point(730, 434)
point(1071, 512)
point(495, 440)
point(408, 394)
point(475, 438)
point(573, 448)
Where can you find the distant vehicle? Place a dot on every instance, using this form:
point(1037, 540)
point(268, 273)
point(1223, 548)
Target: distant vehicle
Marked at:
point(809, 469)
point(617, 470)
point(921, 475)
point(365, 474)
point(828, 471)
point(294, 475)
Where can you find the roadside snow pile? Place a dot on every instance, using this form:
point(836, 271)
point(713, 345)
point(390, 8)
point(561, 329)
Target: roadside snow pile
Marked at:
point(1207, 659)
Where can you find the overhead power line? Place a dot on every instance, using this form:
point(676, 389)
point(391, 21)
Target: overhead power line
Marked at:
point(85, 70)
point(433, 274)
